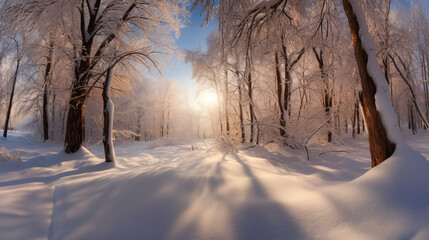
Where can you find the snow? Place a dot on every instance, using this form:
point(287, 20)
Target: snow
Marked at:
point(172, 192)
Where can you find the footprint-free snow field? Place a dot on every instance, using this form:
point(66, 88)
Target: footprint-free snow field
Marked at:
point(185, 192)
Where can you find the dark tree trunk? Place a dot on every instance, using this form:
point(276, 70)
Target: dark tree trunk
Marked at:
point(426, 84)
point(228, 128)
point(280, 99)
point(346, 126)
point(326, 93)
point(411, 117)
point(252, 112)
point(240, 108)
point(357, 118)
point(108, 112)
point(84, 64)
point(47, 78)
point(289, 64)
point(12, 93)
point(52, 135)
point(137, 137)
point(287, 84)
point(75, 120)
point(381, 147)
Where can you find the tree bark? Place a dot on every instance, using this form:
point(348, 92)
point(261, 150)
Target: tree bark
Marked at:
point(240, 108)
point(280, 99)
point(75, 120)
point(252, 112)
point(47, 78)
point(108, 113)
point(357, 117)
point(411, 85)
point(84, 64)
point(381, 147)
point(137, 137)
point(228, 127)
point(326, 93)
point(9, 108)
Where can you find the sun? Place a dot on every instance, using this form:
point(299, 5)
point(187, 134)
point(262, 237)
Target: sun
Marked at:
point(207, 98)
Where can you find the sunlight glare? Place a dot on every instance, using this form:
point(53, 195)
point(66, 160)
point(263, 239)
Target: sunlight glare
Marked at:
point(207, 98)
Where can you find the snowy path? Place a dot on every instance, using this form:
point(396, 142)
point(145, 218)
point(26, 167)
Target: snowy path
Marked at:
point(174, 193)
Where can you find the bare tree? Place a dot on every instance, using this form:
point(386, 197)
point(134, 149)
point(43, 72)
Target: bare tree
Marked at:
point(19, 56)
point(381, 146)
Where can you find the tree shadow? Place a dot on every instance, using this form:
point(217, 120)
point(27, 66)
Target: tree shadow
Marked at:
point(80, 163)
point(263, 217)
point(337, 166)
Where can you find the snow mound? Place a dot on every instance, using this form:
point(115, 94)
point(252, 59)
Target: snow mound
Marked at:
point(390, 201)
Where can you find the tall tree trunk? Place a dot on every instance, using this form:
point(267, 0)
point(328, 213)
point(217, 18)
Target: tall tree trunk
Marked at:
point(12, 93)
point(108, 113)
point(219, 108)
point(252, 112)
point(280, 99)
point(326, 93)
point(381, 147)
point(287, 84)
point(168, 121)
point(228, 128)
point(52, 135)
point(240, 108)
point(75, 120)
point(425, 86)
point(357, 117)
point(46, 84)
point(354, 122)
point(137, 137)
point(411, 85)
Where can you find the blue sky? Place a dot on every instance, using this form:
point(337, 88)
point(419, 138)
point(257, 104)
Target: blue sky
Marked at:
point(193, 36)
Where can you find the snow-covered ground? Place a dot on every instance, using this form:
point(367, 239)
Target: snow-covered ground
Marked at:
point(173, 192)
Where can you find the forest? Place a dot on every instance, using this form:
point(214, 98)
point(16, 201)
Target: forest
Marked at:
point(304, 93)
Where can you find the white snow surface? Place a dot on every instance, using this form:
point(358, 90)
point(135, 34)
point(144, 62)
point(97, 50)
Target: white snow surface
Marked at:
point(175, 193)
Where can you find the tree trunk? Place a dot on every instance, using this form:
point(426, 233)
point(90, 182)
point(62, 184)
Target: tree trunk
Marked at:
point(425, 86)
point(240, 107)
point(53, 116)
point(47, 78)
point(355, 122)
point(219, 108)
point(137, 137)
point(75, 120)
point(326, 94)
point(12, 93)
point(357, 117)
point(108, 113)
point(381, 147)
point(228, 128)
point(286, 89)
point(346, 126)
point(280, 99)
point(252, 112)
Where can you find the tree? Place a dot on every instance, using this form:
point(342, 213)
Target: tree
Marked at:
point(108, 113)
point(382, 143)
point(373, 82)
point(108, 22)
point(19, 55)
point(46, 83)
